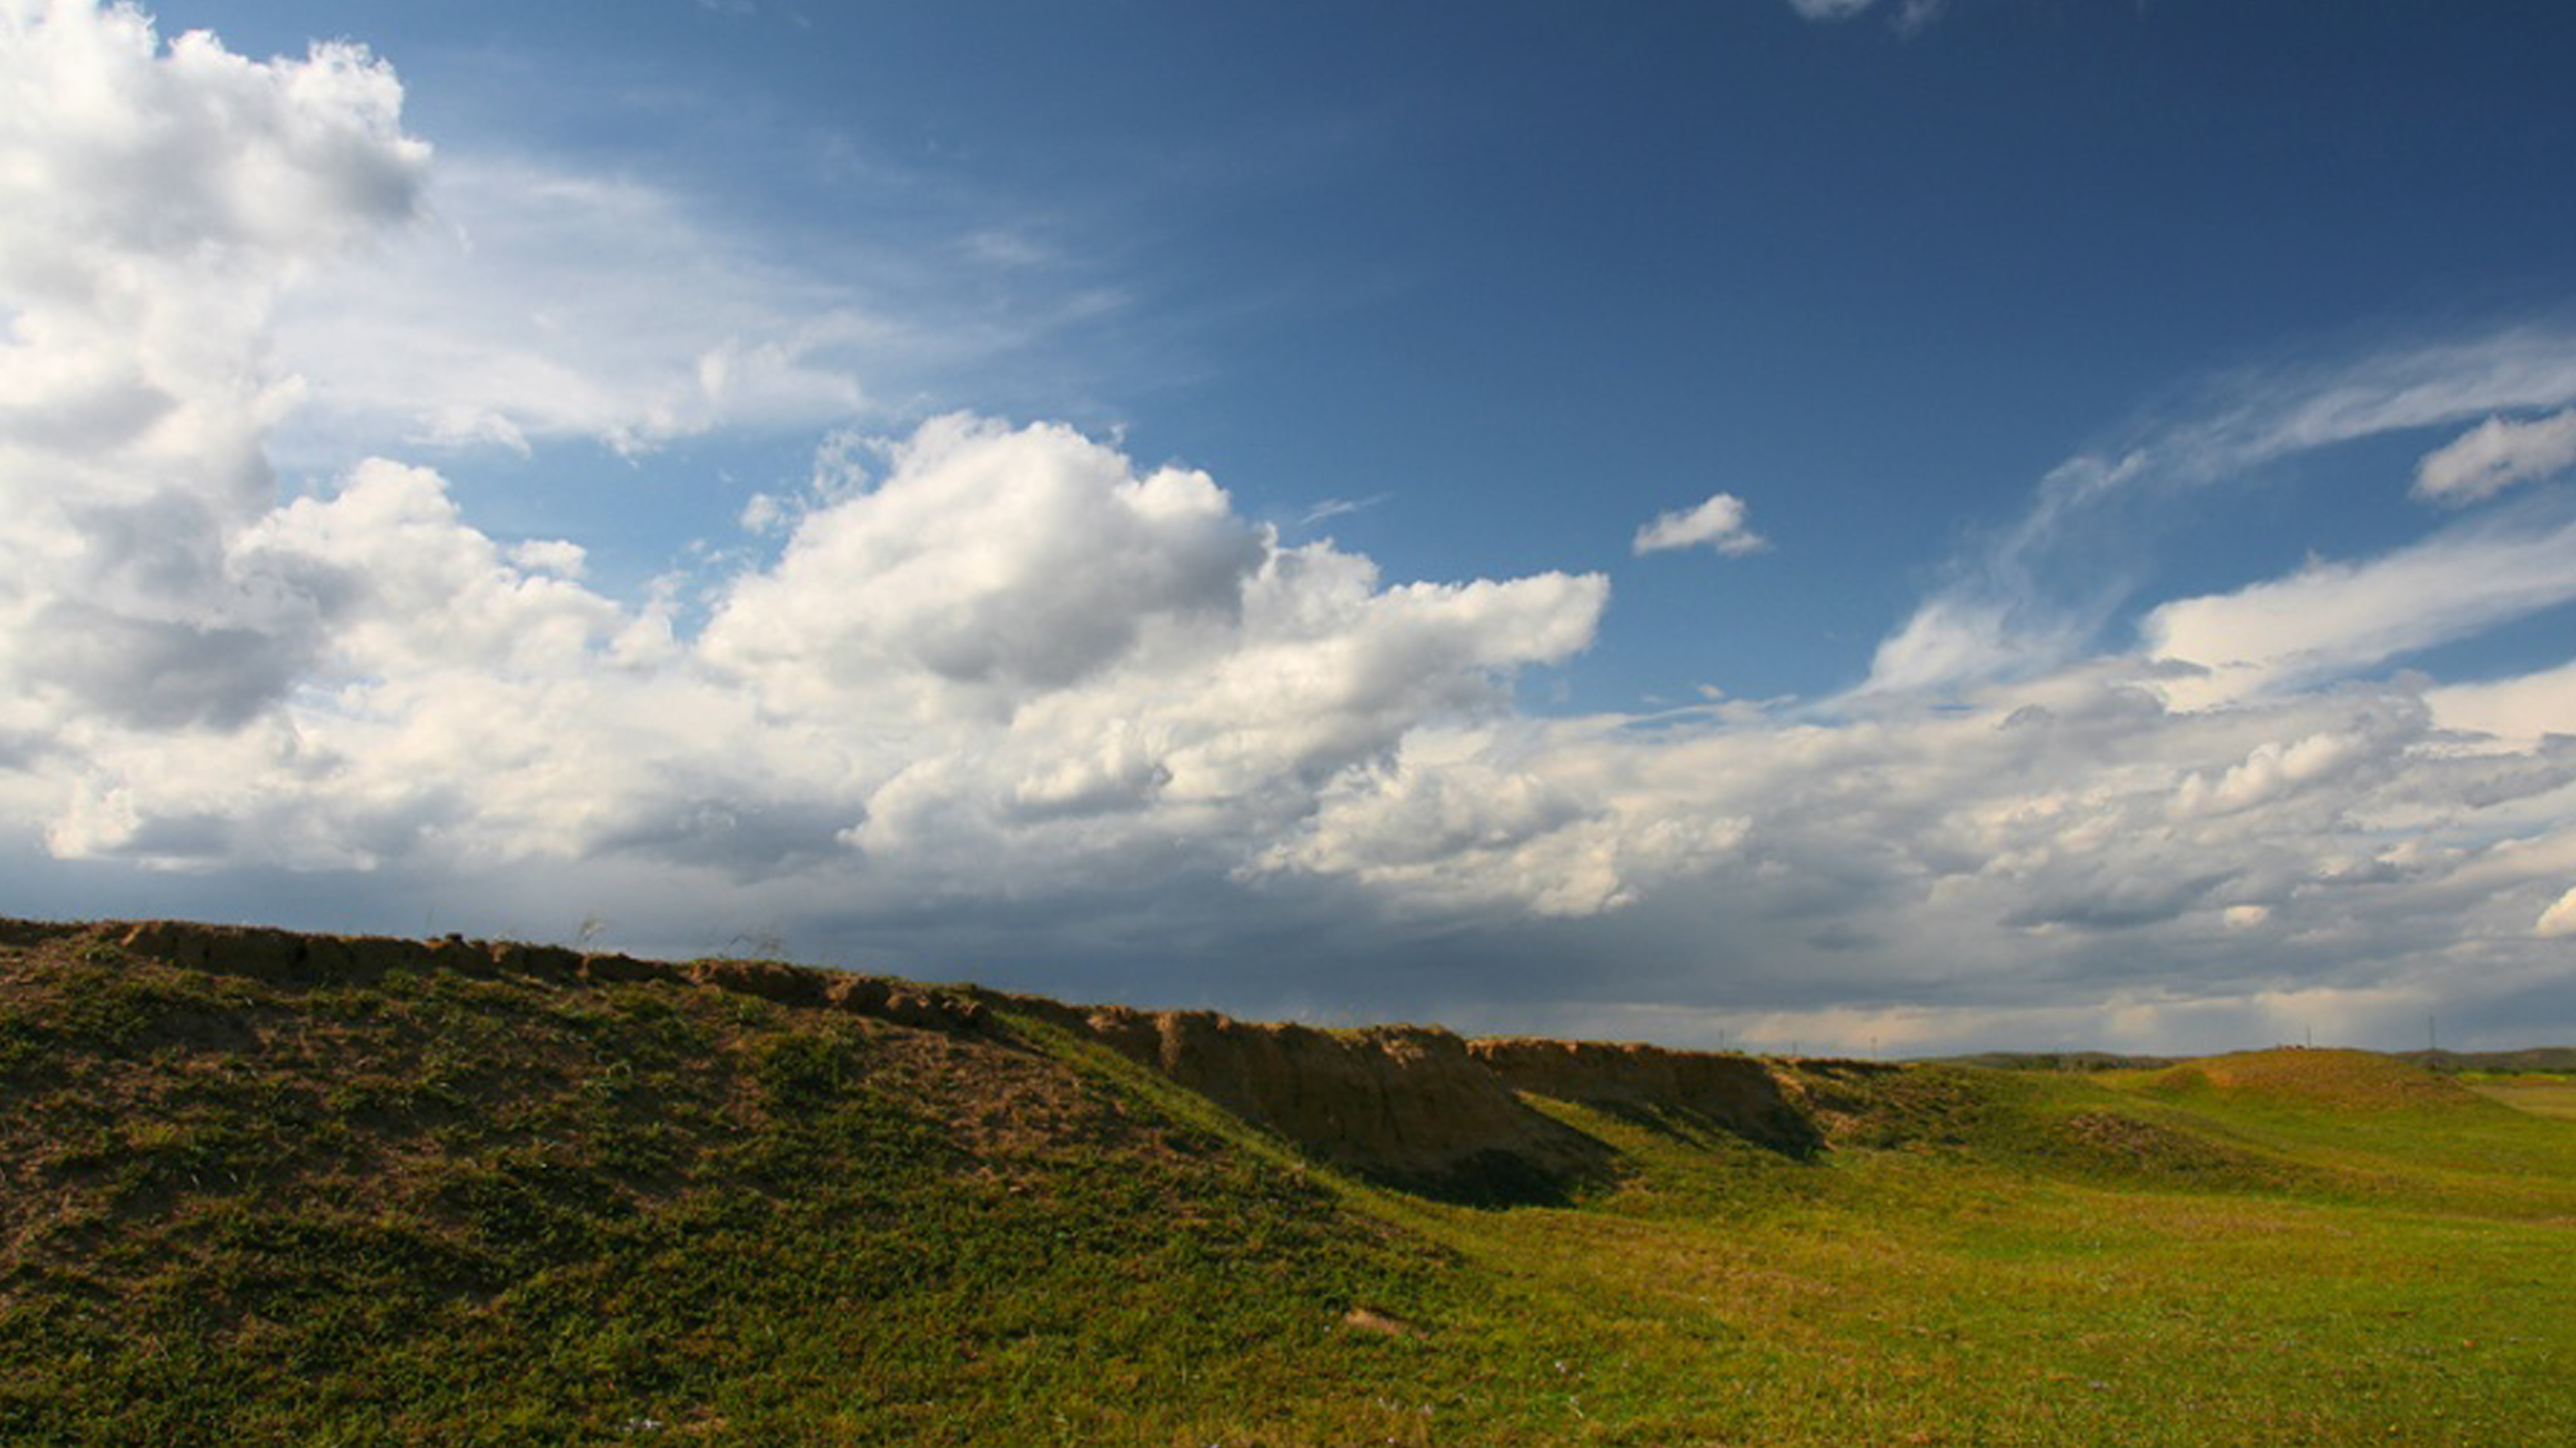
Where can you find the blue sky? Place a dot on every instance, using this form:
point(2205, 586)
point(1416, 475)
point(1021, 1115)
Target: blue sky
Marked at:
point(1162, 500)
point(1880, 279)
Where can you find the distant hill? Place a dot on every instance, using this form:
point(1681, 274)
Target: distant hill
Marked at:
point(266, 1188)
point(2535, 1058)
point(2054, 1061)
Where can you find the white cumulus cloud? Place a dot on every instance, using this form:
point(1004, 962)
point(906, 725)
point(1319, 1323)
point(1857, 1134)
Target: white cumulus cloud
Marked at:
point(1014, 650)
point(152, 204)
point(1717, 523)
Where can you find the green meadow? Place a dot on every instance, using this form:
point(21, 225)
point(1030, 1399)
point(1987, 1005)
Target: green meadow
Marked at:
point(438, 1208)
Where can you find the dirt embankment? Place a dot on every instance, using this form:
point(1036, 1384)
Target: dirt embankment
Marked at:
point(1735, 1094)
point(1406, 1105)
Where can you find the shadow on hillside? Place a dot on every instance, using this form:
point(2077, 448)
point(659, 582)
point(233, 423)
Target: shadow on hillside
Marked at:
point(1558, 1167)
point(1784, 1132)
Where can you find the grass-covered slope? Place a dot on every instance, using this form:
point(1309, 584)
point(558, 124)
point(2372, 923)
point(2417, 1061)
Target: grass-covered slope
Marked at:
point(261, 1190)
point(445, 1208)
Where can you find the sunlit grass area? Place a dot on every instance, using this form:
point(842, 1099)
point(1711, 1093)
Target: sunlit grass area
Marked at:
point(1971, 1295)
point(2542, 1093)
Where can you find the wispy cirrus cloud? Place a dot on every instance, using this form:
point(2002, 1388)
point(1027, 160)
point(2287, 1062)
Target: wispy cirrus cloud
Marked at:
point(2330, 620)
point(2495, 455)
point(1339, 507)
point(1911, 15)
point(532, 309)
point(2038, 592)
point(535, 304)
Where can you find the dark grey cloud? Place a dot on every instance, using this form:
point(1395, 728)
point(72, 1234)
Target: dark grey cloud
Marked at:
point(159, 673)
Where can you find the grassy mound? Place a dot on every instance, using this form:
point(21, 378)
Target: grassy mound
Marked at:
point(2330, 1079)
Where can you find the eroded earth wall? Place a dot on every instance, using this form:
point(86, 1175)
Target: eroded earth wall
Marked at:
point(1412, 1106)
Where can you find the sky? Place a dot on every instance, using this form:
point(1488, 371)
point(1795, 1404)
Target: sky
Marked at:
point(1871, 525)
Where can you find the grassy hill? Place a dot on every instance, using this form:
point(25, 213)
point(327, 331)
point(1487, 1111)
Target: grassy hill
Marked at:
point(257, 1188)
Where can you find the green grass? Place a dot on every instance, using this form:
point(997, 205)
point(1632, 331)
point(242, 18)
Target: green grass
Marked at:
point(2542, 1093)
point(1976, 1292)
point(441, 1209)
